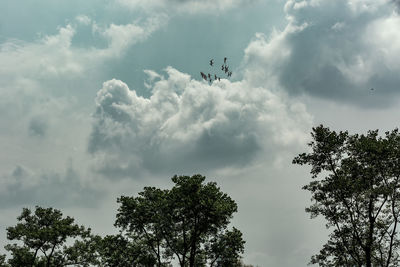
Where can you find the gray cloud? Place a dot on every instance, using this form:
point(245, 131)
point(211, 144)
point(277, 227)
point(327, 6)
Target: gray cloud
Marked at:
point(332, 49)
point(38, 127)
point(397, 3)
point(187, 125)
point(25, 187)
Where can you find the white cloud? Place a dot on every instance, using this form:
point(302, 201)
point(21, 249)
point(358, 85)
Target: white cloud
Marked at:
point(331, 49)
point(55, 55)
point(83, 19)
point(338, 26)
point(191, 125)
point(121, 37)
point(184, 6)
point(49, 76)
point(383, 35)
point(45, 88)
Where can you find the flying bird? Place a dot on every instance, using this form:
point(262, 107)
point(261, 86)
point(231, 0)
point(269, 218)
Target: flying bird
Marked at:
point(213, 77)
point(203, 76)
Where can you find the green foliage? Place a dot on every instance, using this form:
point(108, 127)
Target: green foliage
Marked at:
point(142, 217)
point(180, 222)
point(224, 249)
point(358, 194)
point(188, 222)
point(117, 251)
point(3, 261)
point(44, 235)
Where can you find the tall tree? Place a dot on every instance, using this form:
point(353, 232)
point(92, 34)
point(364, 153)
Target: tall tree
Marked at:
point(356, 188)
point(118, 251)
point(44, 235)
point(225, 248)
point(141, 219)
point(181, 221)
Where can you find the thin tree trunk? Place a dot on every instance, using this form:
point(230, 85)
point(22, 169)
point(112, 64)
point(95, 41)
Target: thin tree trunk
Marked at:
point(193, 245)
point(192, 254)
point(368, 247)
point(34, 257)
point(51, 254)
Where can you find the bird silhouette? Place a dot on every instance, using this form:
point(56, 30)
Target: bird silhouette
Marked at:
point(203, 76)
point(213, 77)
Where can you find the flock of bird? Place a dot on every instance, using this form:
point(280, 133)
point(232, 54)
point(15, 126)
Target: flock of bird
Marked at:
point(225, 68)
point(209, 77)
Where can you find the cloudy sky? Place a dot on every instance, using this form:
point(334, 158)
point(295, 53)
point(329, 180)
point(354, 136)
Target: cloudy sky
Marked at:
point(100, 98)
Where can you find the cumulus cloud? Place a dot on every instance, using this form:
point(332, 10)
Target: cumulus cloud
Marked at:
point(185, 6)
point(45, 87)
point(56, 55)
point(190, 125)
point(53, 69)
point(331, 49)
point(23, 186)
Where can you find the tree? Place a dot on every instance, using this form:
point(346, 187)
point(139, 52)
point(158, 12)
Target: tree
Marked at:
point(118, 251)
point(3, 261)
point(142, 218)
point(358, 194)
point(44, 235)
point(225, 248)
point(184, 222)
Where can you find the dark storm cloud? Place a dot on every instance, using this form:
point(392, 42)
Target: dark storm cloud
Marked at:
point(22, 187)
point(333, 49)
point(187, 125)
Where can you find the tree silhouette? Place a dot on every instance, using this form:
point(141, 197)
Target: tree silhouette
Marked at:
point(44, 236)
point(188, 221)
point(358, 194)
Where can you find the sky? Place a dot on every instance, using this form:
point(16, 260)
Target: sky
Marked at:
point(101, 98)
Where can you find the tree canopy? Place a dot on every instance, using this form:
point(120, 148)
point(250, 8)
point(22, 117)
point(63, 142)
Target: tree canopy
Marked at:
point(44, 234)
point(188, 222)
point(356, 188)
point(118, 251)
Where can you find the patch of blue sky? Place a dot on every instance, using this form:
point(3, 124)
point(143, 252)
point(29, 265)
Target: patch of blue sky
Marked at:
point(28, 19)
point(190, 41)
